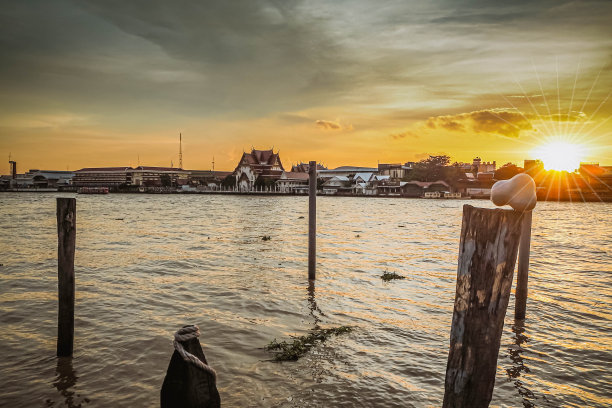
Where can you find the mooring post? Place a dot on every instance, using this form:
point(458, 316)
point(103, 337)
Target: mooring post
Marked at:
point(190, 382)
point(66, 238)
point(487, 255)
point(520, 305)
point(312, 219)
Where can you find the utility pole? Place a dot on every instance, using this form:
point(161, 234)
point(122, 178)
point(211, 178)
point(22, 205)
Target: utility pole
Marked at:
point(213, 164)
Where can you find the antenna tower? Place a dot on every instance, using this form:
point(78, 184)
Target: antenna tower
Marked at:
point(181, 150)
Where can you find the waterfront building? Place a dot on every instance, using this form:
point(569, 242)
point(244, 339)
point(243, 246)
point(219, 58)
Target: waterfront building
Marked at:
point(41, 179)
point(50, 178)
point(336, 184)
point(102, 177)
point(345, 171)
point(483, 167)
point(258, 164)
point(293, 182)
point(394, 170)
point(158, 176)
point(209, 179)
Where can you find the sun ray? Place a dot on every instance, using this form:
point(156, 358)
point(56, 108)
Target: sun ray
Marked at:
point(569, 112)
point(588, 96)
point(532, 107)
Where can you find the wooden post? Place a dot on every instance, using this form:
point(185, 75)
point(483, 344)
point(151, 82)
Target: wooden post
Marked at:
point(487, 255)
point(66, 238)
point(312, 220)
point(520, 305)
point(187, 385)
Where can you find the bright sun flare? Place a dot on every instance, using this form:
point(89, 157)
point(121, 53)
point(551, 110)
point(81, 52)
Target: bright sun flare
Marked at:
point(560, 156)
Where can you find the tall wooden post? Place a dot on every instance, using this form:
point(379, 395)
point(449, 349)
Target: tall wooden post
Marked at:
point(520, 305)
point(487, 255)
point(66, 238)
point(312, 219)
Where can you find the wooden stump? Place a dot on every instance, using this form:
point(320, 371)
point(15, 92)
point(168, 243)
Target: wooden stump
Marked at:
point(66, 239)
point(487, 255)
point(186, 385)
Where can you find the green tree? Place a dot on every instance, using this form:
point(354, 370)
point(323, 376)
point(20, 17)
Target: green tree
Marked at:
point(431, 169)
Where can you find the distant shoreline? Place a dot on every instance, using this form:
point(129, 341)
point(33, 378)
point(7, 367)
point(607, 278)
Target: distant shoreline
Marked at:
point(605, 199)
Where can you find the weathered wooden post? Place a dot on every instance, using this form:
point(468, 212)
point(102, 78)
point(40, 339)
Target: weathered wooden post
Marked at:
point(487, 255)
point(312, 220)
point(520, 305)
point(190, 382)
point(66, 238)
point(520, 193)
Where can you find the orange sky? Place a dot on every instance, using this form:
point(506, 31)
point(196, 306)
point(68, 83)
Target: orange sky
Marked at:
point(342, 83)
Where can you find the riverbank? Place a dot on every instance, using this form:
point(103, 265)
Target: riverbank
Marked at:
point(542, 196)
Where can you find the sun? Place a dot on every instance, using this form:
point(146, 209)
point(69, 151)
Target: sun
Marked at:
point(560, 156)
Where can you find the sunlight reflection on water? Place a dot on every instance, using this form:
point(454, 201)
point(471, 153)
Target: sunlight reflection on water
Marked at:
point(146, 264)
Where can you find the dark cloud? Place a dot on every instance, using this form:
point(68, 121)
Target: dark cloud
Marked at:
point(502, 122)
point(152, 61)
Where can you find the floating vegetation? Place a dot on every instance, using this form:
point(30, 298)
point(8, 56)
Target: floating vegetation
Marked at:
point(387, 276)
point(266, 238)
point(292, 351)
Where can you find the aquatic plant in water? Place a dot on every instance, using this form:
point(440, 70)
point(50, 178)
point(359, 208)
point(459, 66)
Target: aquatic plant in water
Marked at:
point(292, 351)
point(387, 276)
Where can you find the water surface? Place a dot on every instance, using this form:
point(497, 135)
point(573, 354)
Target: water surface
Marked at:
point(148, 264)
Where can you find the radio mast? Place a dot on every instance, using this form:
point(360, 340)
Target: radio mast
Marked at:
point(180, 150)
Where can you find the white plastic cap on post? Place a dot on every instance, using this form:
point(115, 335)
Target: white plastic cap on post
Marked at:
point(519, 192)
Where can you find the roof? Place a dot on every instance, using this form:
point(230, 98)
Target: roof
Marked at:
point(379, 177)
point(53, 175)
point(153, 168)
point(86, 169)
point(364, 176)
point(260, 159)
point(296, 175)
point(355, 168)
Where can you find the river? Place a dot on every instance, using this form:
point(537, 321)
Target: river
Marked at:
point(148, 264)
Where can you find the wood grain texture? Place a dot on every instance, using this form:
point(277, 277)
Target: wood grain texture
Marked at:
point(487, 255)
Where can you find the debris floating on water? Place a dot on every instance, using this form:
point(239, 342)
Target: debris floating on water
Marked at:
point(292, 351)
point(266, 238)
point(387, 276)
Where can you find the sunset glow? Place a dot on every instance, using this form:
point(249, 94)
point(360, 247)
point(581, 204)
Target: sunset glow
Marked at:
point(560, 156)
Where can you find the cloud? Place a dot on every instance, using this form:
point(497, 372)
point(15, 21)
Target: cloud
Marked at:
point(502, 122)
point(403, 135)
point(328, 125)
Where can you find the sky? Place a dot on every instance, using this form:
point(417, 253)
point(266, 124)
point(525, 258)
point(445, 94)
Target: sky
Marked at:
point(112, 83)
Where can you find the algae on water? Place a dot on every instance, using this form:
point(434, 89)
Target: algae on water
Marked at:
point(387, 276)
point(292, 351)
